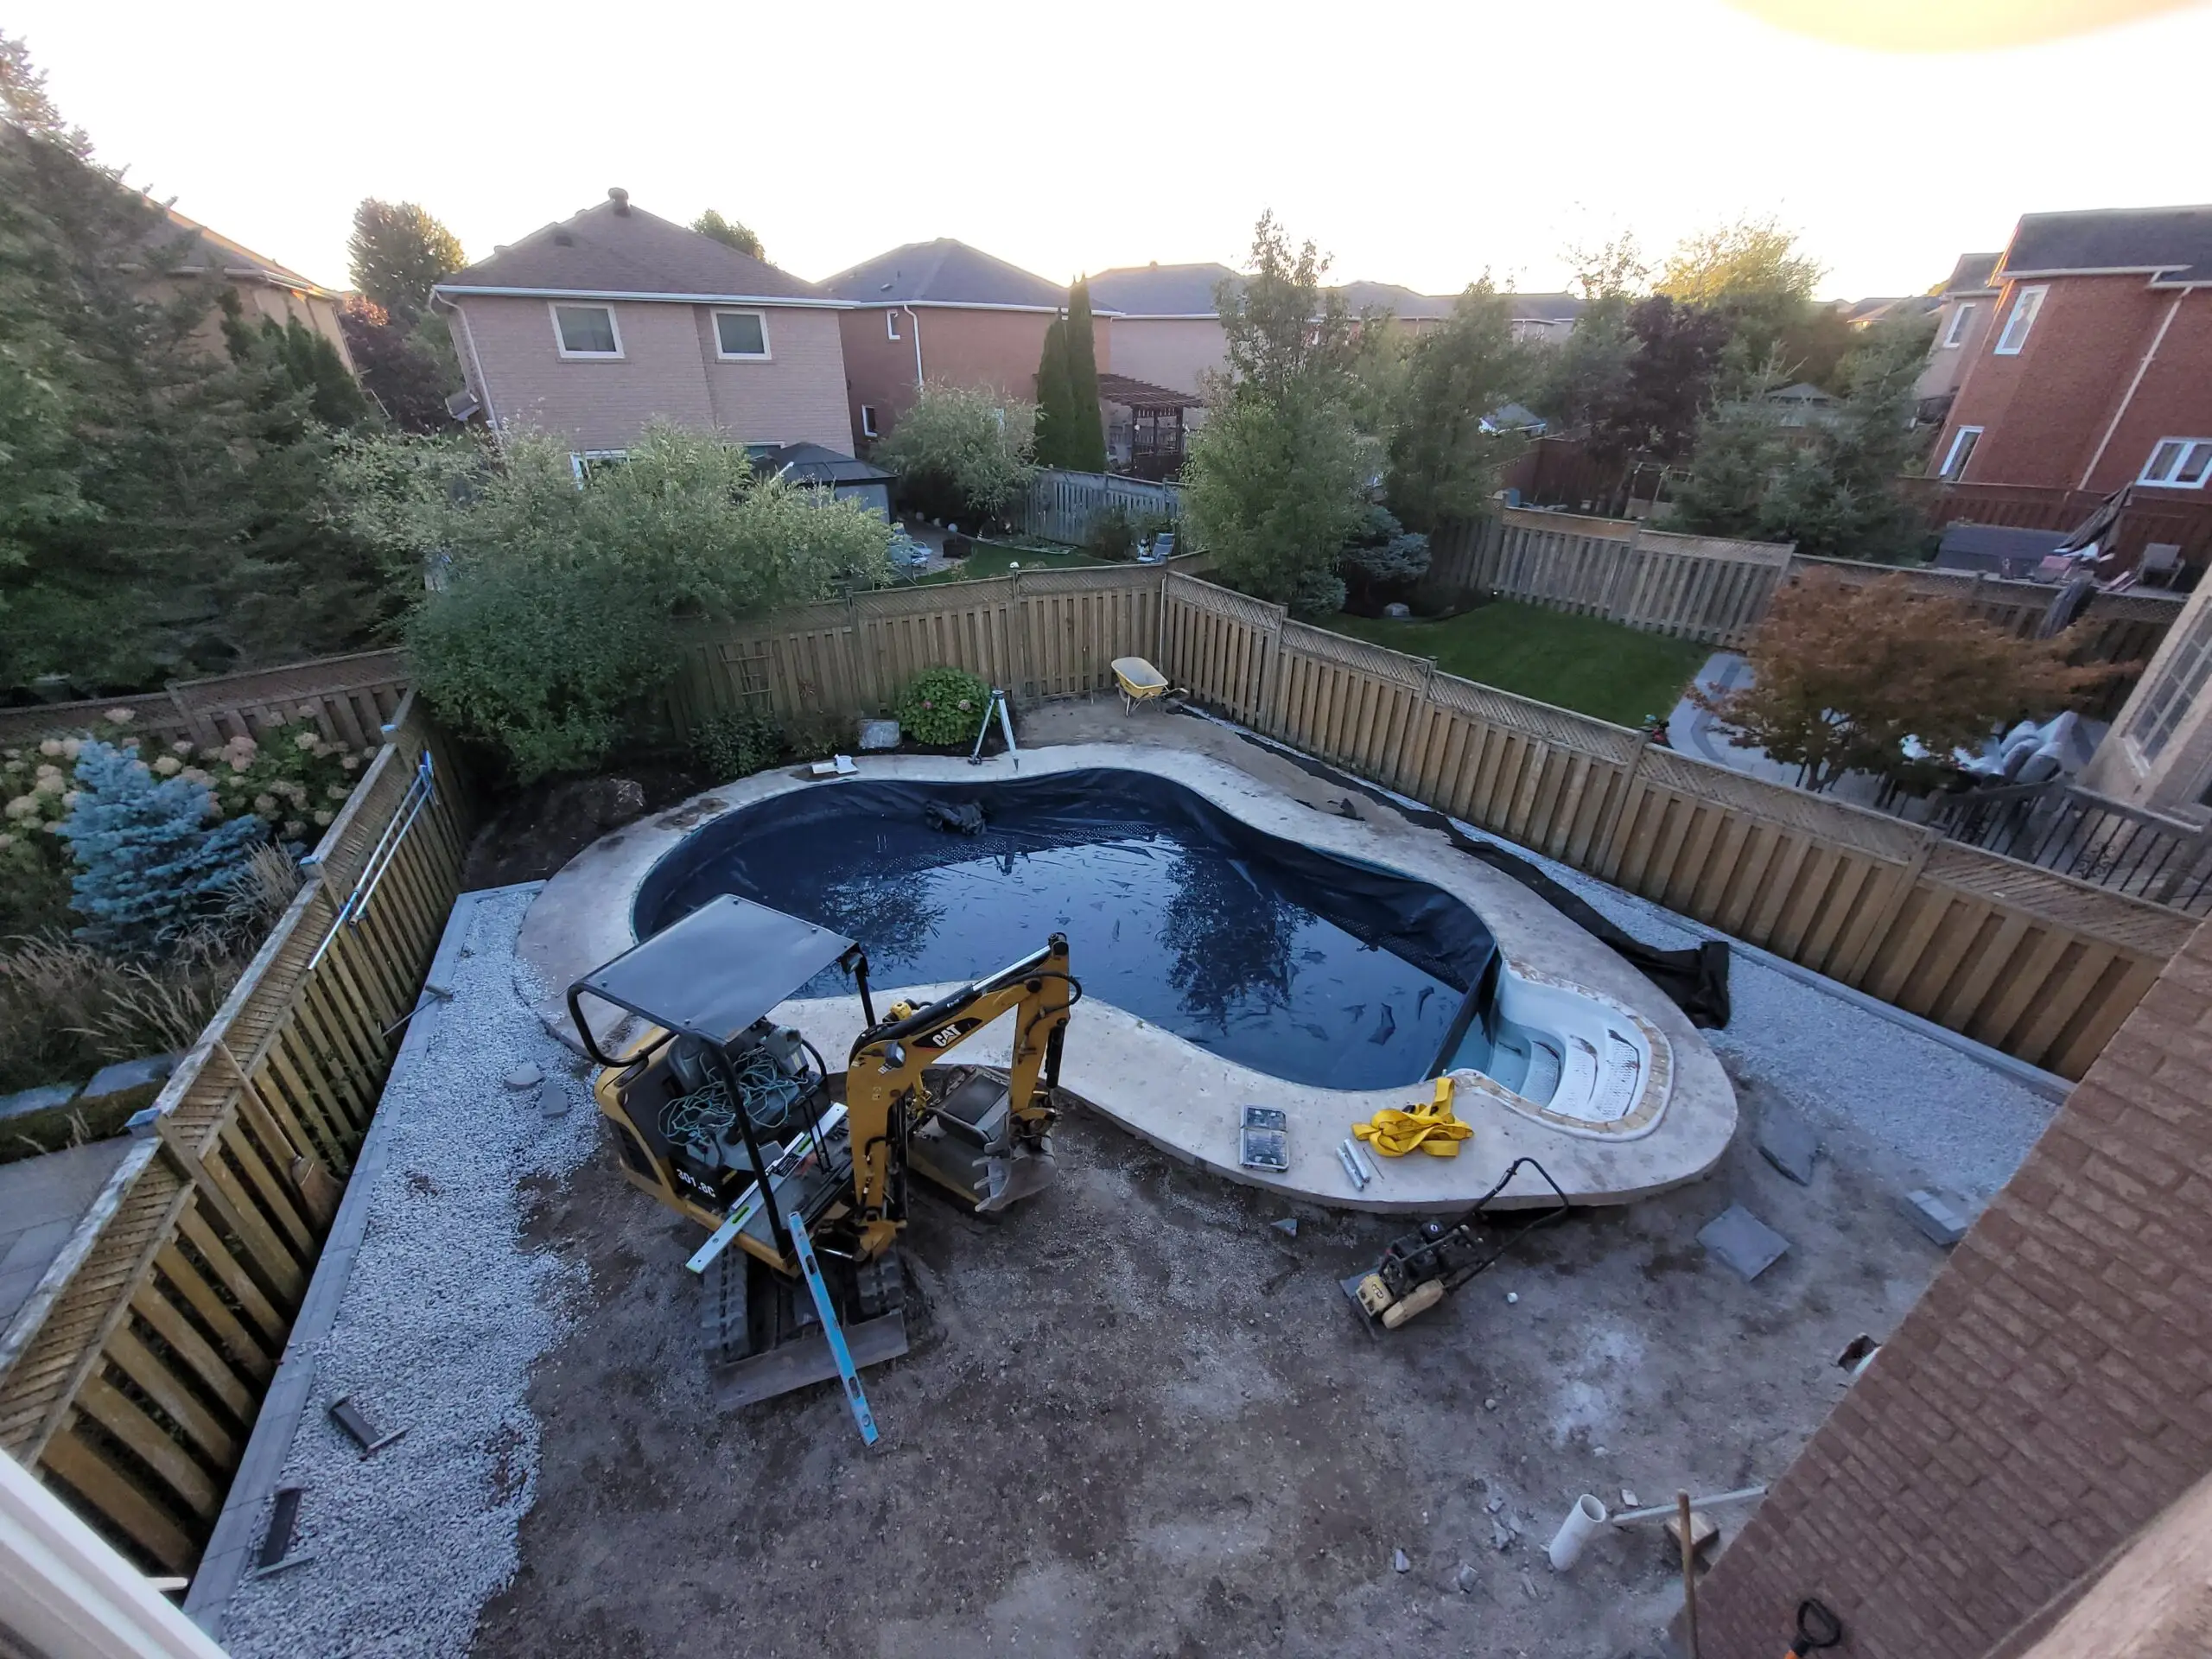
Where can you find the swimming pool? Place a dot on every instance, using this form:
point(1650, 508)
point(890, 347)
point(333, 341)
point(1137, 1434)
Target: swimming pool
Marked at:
point(1298, 962)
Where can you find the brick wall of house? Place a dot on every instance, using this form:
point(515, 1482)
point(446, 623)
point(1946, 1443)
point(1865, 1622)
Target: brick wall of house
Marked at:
point(959, 347)
point(2044, 412)
point(2050, 1396)
point(666, 371)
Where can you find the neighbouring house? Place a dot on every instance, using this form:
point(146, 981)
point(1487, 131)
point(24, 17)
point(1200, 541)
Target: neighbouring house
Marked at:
point(1165, 325)
point(2093, 370)
point(1803, 405)
point(1545, 319)
point(613, 318)
point(1862, 314)
point(2158, 753)
point(186, 250)
point(941, 312)
point(1147, 426)
point(1963, 308)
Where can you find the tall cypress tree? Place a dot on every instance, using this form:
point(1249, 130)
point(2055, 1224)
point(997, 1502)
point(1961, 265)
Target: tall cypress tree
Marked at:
point(1087, 452)
point(1055, 406)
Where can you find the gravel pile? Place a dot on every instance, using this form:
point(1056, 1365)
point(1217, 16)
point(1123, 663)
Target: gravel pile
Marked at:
point(445, 1313)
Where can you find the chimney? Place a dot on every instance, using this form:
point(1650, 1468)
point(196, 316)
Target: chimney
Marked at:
point(620, 197)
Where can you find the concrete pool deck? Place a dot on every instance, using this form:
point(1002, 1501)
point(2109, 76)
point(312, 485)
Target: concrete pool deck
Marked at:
point(1182, 1098)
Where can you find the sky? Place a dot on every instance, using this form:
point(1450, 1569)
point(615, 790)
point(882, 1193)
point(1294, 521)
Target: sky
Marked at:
point(1421, 144)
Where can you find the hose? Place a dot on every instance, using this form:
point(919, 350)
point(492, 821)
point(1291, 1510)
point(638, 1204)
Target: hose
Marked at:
point(705, 1115)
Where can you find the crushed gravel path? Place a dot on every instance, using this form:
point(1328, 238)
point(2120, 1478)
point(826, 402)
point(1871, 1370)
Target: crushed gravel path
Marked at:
point(444, 1314)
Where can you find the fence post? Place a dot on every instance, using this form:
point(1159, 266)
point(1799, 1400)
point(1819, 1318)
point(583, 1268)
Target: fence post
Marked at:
point(1601, 844)
point(1626, 564)
point(1024, 654)
point(1870, 949)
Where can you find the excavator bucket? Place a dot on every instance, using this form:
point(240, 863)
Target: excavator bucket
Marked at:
point(967, 1146)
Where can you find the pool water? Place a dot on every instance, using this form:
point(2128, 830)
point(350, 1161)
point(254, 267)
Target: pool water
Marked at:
point(1311, 968)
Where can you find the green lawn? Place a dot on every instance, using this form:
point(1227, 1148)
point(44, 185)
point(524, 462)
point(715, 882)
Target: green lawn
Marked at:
point(991, 559)
point(1574, 662)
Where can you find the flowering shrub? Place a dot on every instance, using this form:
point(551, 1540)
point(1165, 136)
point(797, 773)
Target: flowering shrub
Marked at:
point(293, 779)
point(943, 705)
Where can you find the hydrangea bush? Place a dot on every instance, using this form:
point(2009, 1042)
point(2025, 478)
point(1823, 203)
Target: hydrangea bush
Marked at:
point(943, 705)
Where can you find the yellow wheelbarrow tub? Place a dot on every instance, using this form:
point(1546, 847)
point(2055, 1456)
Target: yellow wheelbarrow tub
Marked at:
point(1139, 681)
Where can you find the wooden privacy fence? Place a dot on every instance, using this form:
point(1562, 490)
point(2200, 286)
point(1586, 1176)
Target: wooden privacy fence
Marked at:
point(131, 1379)
point(1716, 591)
point(350, 697)
point(1062, 506)
point(2028, 960)
point(1037, 634)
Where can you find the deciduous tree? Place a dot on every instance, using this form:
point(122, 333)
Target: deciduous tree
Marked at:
point(728, 232)
point(963, 453)
point(1275, 484)
point(1664, 384)
point(397, 252)
point(1844, 672)
point(1443, 461)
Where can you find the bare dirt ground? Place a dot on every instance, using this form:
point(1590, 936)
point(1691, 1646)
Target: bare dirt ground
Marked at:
point(1140, 1422)
point(1137, 1421)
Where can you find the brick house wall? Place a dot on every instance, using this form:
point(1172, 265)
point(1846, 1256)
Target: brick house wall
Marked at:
point(668, 369)
point(960, 346)
point(2044, 412)
point(2048, 1396)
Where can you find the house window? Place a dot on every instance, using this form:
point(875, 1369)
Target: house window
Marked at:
point(891, 324)
point(2024, 307)
point(587, 331)
point(1957, 332)
point(2179, 463)
point(1954, 463)
point(741, 334)
point(2180, 685)
point(590, 463)
point(867, 422)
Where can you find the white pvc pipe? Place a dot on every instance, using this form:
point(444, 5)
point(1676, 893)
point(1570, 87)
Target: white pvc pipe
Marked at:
point(1584, 1519)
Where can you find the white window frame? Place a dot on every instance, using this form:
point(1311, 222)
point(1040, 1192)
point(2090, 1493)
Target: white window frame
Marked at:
point(765, 355)
point(891, 324)
point(553, 310)
point(579, 460)
point(1956, 334)
point(2185, 448)
point(1954, 463)
point(867, 422)
point(2027, 306)
point(2181, 682)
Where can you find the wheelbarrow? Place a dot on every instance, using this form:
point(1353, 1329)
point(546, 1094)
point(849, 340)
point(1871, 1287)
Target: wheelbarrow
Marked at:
point(1139, 681)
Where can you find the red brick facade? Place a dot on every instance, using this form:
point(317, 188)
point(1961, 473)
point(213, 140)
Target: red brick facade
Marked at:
point(2069, 411)
point(2048, 1396)
point(961, 346)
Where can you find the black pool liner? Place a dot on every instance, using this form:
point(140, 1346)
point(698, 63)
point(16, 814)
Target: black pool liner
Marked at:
point(867, 856)
point(1695, 980)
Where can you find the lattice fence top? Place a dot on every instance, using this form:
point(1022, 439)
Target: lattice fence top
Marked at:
point(2081, 908)
point(1348, 653)
point(1857, 828)
point(1221, 601)
point(1561, 728)
point(1568, 524)
point(1774, 554)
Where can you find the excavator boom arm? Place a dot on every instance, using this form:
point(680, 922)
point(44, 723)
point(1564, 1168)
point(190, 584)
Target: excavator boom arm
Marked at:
point(883, 1075)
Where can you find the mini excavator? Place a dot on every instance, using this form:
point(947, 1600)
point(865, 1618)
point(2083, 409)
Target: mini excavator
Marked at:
point(715, 1105)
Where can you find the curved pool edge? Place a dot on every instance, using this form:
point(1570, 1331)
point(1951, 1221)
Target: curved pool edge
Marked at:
point(1181, 1098)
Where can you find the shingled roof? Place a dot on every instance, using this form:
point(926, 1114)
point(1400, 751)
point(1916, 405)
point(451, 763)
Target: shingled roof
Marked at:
point(1973, 274)
point(946, 272)
point(1160, 290)
point(190, 247)
point(614, 247)
point(2173, 244)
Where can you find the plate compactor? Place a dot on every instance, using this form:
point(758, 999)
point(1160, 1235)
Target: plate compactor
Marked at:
point(715, 1105)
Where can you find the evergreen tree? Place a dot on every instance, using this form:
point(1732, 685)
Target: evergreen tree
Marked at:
point(152, 857)
point(1087, 449)
point(1055, 406)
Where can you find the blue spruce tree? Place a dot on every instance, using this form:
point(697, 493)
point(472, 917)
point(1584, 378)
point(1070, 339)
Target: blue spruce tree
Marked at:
point(151, 860)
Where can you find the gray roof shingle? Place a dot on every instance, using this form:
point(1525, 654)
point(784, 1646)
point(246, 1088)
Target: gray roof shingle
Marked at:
point(946, 272)
point(2176, 241)
point(1972, 273)
point(606, 250)
point(1160, 290)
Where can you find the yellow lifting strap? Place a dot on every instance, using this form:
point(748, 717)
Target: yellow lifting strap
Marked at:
point(1431, 1128)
